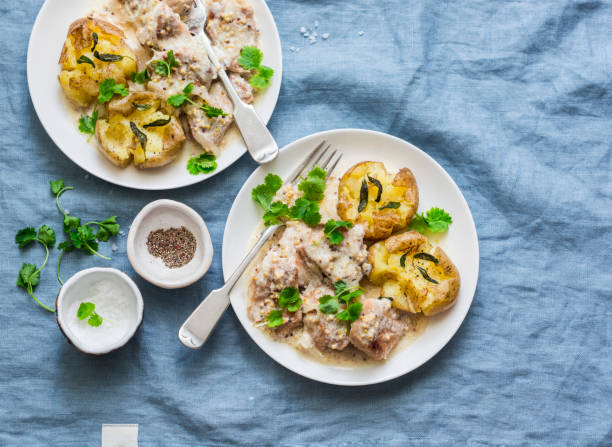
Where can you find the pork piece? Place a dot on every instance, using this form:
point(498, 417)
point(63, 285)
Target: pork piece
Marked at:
point(347, 261)
point(231, 26)
point(378, 329)
point(326, 331)
point(209, 132)
point(242, 86)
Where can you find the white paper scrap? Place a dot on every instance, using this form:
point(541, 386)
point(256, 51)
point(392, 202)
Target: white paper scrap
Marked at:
point(119, 435)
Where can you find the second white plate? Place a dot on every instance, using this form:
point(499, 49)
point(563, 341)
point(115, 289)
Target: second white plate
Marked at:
point(48, 36)
point(436, 188)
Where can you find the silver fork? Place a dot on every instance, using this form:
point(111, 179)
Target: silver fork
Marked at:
point(195, 330)
point(257, 138)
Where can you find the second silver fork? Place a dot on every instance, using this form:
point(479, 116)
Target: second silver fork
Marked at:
point(199, 325)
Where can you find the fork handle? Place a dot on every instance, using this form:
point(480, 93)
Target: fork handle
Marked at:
point(199, 325)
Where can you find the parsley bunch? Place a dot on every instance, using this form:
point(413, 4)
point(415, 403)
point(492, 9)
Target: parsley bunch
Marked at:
point(29, 275)
point(330, 305)
point(81, 237)
point(179, 100)
point(250, 59)
point(289, 299)
point(435, 220)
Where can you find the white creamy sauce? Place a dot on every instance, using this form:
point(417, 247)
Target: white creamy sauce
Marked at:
point(113, 305)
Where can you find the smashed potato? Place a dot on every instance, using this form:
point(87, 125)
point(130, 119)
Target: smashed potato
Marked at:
point(380, 201)
point(419, 277)
point(140, 118)
point(79, 78)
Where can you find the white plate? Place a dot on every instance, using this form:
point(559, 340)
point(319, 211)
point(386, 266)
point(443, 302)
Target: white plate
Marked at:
point(436, 188)
point(48, 35)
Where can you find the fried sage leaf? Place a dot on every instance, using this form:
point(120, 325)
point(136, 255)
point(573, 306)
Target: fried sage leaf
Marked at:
point(392, 205)
point(106, 57)
point(94, 36)
point(85, 60)
point(379, 185)
point(158, 123)
point(363, 196)
point(426, 257)
point(141, 107)
point(426, 275)
point(403, 260)
point(142, 137)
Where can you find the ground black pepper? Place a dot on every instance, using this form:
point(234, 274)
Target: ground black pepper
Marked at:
point(175, 246)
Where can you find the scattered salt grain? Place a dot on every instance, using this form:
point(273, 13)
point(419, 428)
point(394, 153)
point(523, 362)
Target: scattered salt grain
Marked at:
point(361, 33)
point(306, 34)
point(114, 247)
point(316, 24)
point(325, 35)
point(86, 176)
point(67, 211)
point(302, 30)
point(121, 233)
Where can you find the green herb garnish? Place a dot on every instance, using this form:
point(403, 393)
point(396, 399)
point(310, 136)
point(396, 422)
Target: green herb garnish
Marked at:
point(106, 57)
point(29, 275)
point(275, 318)
point(87, 124)
point(264, 193)
point(250, 59)
point(164, 68)
point(289, 299)
point(391, 205)
point(85, 60)
point(435, 220)
point(426, 257)
point(142, 137)
point(159, 123)
point(378, 185)
point(332, 230)
point(179, 100)
point(94, 36)
point(329, 304)
point(363, 196)
point(202, 164)
point(141, 77)
point(88, 310)
point(141, 107)
point(108, 88)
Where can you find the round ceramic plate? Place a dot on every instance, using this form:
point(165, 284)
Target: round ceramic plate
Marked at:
point(436, 188)
point(48, 35)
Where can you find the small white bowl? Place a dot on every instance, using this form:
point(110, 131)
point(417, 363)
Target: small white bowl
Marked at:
point(120, 324)
point(164, 214)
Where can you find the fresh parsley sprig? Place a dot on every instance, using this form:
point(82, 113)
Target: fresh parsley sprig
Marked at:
point(250, 59)
point(289, 299)
point(108, 88)
point(160, 67)
point(435, 220)
point(330, 304)
point(87, 123)
point(179, 100)
point(202, 164)
point(29, 275)
point(332, 230)
point(88, 310)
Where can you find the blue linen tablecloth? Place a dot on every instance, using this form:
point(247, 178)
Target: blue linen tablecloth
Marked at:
point(512, 98)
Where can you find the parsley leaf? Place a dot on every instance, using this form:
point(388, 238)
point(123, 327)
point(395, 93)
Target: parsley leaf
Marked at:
point(276, 211)
point(351, 313)
point(332, 230)
point(313, 186)
point(202, 164)
point(46, 236)
point(260, 81)
point(28, 276)
point(179, 100)
point(57, 185)
point(435, 220)
point(329, 304)
point(289, 299)
point(87, 124)
point(275, 318)
point(25, 236)
point(106, 228)
point(264, 193)
point(88, 310)
point(305, 210)
point(108, 88)
point(250, 57)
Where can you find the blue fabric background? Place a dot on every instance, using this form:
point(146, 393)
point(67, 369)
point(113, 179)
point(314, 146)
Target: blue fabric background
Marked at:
point(513, 98)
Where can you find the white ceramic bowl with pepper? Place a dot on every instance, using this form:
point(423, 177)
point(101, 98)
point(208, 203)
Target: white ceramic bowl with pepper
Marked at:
point(169, 244)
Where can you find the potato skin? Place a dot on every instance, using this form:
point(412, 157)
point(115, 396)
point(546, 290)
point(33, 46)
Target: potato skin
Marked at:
point(119, 144)
point(379, 224)
point(410, 291)
point(80, 81)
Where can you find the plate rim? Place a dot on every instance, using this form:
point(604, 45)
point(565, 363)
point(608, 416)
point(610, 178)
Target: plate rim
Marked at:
point(391, 376)
point(109, 178)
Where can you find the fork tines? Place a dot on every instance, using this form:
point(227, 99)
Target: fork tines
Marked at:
point(314, 159)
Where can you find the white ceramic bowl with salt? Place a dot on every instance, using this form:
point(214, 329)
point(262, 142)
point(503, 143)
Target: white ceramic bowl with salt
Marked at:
point(117, 300)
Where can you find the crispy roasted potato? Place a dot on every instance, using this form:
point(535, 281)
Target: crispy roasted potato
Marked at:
point(79, 80)
point(119, 142)
point(398, 190)
point(419, 277)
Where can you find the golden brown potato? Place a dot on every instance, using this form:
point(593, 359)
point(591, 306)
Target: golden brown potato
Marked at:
point(118, 139)
point(419, 277)
point(79, 80)
point(378, 217)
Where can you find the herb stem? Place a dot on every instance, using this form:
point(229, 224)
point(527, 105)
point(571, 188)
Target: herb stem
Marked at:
point(29, 288)
point(61, 191)
point(36, 299)
point(58, 267)
point(96, 253)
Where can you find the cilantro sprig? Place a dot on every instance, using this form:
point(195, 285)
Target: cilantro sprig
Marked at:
point(88, 310)
point(180, 99)
point(160, 67)
point(87, 123)
point(289, 299)
point(250, 59)
point(202, 164)
point(108, 88)
point(330, 304)
point(332, 230)
point(29, 274)
point(435, 220)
